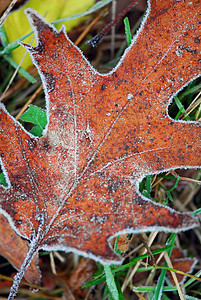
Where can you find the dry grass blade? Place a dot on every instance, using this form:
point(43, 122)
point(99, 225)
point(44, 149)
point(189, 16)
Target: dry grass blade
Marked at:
point(5, 14)
point(169, 263)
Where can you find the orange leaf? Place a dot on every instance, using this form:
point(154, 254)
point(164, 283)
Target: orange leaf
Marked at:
point(15, 249)
point(77, 186)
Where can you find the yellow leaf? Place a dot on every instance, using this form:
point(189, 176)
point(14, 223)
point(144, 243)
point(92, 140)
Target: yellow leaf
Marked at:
point(17, 24)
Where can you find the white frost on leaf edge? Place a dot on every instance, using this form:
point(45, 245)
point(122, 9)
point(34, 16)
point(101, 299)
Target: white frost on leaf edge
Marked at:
point(153, 228)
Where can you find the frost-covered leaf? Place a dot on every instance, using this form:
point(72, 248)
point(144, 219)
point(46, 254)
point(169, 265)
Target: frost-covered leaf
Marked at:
point(77, 186)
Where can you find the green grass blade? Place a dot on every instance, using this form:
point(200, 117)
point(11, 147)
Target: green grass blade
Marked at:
point(14, 44)
point(128, 31)
point(148, 184)
point(190, 91)
point(134, 29)
point(181, 107)
point(121, 296)
point(111, 283)
point(198, 211)
point(161, 280)
point(178, 114)
point(174, 186)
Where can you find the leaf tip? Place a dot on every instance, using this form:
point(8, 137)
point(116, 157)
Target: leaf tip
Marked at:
point(37, 22)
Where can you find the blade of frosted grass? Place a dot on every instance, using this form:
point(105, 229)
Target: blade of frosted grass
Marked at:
point(94, 8)
point(127, 31)
point(150, 295)
point(110, 295)
point(21, 70)
point(100, 279)
point(146, 289)
point(111, 282)
point(161, 280)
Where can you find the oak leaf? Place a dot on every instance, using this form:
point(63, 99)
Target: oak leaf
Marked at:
point(77, 186)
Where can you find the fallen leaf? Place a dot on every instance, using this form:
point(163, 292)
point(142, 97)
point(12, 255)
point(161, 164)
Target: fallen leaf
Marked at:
point(181, 262)
point(121, 243)
point(80, 275)
point(15, 249)
point(77, 186)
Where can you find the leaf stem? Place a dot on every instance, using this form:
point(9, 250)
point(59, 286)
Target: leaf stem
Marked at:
point(30, 255)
